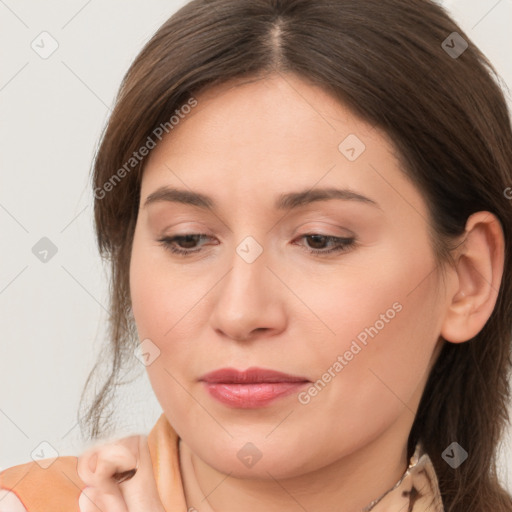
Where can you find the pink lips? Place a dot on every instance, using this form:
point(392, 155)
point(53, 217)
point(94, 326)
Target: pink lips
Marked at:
point(252, 388)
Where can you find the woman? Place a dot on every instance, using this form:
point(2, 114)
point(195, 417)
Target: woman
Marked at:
point(305, 208)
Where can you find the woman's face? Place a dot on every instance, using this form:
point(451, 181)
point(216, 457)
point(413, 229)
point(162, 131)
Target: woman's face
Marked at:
point(358, 326)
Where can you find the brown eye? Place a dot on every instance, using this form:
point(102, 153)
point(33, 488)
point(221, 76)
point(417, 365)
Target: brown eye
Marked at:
point(186, 245)
point(182, 244)
point(187, 241)
point(317, 242)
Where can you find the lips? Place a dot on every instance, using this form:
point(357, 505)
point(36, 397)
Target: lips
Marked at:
point(251, 375)
point(251, 388)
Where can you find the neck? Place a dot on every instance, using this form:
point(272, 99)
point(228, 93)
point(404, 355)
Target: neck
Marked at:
point(347, 485)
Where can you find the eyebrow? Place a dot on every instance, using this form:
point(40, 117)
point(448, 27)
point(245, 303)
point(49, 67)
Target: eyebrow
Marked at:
point(289, 201)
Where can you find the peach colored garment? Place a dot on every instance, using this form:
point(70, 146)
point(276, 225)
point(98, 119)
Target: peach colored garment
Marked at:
point(57, 488)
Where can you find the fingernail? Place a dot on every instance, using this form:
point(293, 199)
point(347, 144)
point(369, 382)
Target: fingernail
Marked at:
point(125, 475)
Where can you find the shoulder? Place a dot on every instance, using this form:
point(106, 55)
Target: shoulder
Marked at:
point(53, 485)
point(48, 485)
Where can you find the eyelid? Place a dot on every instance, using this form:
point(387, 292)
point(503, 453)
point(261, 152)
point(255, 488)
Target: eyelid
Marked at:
point(186, 228)
point(341, 232)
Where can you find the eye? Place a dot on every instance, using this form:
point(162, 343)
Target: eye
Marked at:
point(188, 239)
point(175, 244)
point(340, 244)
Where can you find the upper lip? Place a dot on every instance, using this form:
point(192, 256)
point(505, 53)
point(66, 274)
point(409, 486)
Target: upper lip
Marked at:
point(251, 375)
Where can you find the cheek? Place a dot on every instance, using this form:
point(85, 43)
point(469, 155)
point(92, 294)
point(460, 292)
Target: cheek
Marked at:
point(386, 322)
point(162, 297)
point(372, 372)
point(169, 310)
point(157, 305)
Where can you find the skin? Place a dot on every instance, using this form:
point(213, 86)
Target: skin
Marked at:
point(291, 310)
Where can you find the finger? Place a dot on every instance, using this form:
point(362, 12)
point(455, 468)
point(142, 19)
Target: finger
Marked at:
point(90, 501)
point(9, 502)
point(140, 492)
point(95, 500)
point(98, 466)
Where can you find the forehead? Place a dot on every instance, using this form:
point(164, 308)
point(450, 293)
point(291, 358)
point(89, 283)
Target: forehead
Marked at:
point(273, 134)
point(277, 110)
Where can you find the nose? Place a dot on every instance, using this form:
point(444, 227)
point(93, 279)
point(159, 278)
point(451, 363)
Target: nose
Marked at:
point(249, 301)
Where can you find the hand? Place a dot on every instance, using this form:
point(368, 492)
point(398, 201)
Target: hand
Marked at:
point(107, 471)
point(9, 502)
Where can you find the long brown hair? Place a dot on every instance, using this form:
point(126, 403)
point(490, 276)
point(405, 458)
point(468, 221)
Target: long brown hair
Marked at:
point(387, 60)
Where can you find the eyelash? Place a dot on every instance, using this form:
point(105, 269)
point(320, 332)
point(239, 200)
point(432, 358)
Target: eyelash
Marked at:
point(344, 244)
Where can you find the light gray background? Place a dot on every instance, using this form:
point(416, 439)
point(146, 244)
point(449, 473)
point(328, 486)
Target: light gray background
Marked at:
point(53, 314)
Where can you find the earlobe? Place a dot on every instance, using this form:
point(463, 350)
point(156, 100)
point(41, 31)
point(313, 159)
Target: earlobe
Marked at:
point(479, 270)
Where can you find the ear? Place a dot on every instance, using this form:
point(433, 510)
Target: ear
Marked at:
point(479, 270)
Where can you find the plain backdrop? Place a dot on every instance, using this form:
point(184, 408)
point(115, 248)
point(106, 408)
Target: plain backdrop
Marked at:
point(53, 313)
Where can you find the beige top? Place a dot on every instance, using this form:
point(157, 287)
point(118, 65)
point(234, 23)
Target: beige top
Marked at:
point(31, 487)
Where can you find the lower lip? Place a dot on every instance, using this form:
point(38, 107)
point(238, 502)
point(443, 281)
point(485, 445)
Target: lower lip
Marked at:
point(251, 396)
